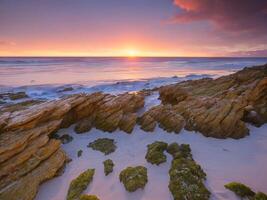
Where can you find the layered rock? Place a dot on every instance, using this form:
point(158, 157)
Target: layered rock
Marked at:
point(220, 107)
point(30, 155)
point(167, 118)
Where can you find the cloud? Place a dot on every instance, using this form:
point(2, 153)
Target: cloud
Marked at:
point(254, 53)
point(233, 16)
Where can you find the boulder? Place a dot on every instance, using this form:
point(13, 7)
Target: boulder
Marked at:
point(134, 178)
point(79, 184)
point(108, 166)
point(155, 152)
point(104, 145)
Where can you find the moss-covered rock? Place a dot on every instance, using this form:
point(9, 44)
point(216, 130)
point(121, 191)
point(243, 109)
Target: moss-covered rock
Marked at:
point(245, 192)
point(155, 152)
point(79, 153)
point(134, 178)
point(260, 196)
point(104, 145)
point(240, 190)
point(108, 166)
point(178, 151)
point(186, 176)
point(79, 184)
point(88, 197)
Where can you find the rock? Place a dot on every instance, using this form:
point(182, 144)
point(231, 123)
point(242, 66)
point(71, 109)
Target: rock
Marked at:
point(83, 126)
point(29, 143)
point(134, 178)
point(31, 181)
point(88, 197)
point(218, 107)
point(79, 184)
point(178, 151)
point(19, 106)
point(104, 145)
point(108, 166)
point(186, 176)
point(128, 122)
point(155, 152)
point(79, 153)
point(114, 109)
point(260, 196)
point(65, 139)
point(167, 118)
point(66, 89)
point(240, 190)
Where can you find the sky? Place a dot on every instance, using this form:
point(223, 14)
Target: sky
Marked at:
point(133, 28)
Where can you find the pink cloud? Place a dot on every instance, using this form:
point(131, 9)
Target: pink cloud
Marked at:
point(228, 15)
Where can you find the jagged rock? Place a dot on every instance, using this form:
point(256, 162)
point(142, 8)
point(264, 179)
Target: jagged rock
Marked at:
point(128, 122)
point(186, 176)
point(134, 178)
point(79, 184)
point(83, 126)
point(79, 153)
point(88, 197)
point(218, 108)
point(27, 130)
point(155, 152)
point(113, 110)
point(26, 187)
point(108, 166)
point(168, 119)
point(104, 145)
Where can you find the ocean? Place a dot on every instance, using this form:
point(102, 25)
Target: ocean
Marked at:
point(45, 77)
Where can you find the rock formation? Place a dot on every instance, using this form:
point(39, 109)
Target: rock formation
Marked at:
point(215, 107)
point(28, 153)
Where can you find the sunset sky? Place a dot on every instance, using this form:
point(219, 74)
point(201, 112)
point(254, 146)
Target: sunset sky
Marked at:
point(133, 27)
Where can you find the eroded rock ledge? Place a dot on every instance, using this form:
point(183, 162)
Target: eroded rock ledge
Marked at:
point(216, 108)
point(29, 156)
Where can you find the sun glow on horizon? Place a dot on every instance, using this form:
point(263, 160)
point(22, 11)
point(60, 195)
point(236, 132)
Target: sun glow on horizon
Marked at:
point(132, 53)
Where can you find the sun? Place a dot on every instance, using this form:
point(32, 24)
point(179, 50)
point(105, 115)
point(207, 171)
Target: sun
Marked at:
point(132, 52)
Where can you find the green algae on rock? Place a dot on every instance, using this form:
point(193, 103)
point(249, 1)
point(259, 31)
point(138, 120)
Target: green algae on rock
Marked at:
point(244, 191)
point(79, 153)
point(260, 196)
point(186, 176)
point(240, 189)
point(134, 178)
point(79, 184)
point(155, 152)
point(108, 166)
point(104, 145)
point(88, 197)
